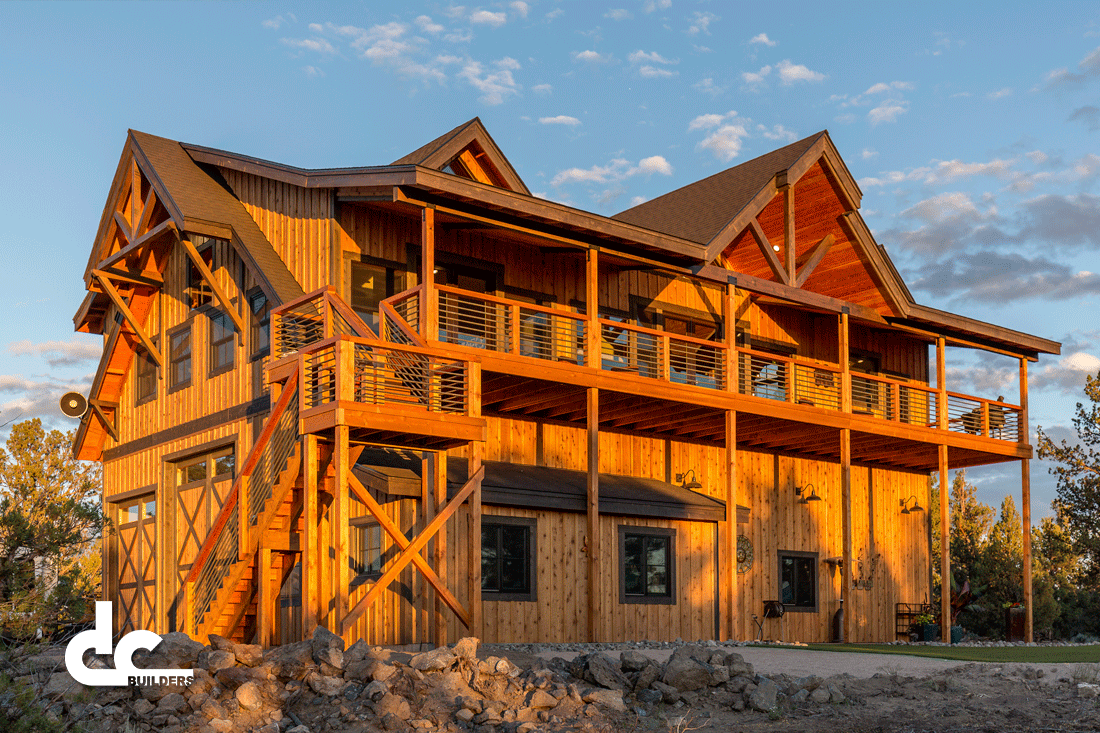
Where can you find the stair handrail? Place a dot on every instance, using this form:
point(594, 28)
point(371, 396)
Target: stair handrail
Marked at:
point(387, 310)
point(230, 509)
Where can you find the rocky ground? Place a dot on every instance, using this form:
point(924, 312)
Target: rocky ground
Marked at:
point(317, 685)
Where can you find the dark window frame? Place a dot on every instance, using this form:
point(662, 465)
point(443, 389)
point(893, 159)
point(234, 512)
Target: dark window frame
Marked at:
point(216, 317)
point(814, 557)
point(531, 524)
point(359, 564)
point(173, 361)
point(626, 530)
point(145, 369)
point(260, 322)
point(198, 292)
point(394, 271)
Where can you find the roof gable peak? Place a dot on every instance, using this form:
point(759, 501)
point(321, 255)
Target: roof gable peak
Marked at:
point(468, 151)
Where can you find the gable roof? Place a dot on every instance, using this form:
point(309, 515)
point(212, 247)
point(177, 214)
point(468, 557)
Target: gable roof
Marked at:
point(699, 211)
point(440, 152)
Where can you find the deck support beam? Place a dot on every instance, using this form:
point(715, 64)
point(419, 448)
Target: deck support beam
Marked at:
point(340, 528)
point(945, 548)
point(311, 543)
point(730, 611)
point(846, 530)
point(439, 548)
point(475, 472)
point(594, 338)
point(1025, 503)
point(789, 251)
point(119, 303)
point(593, 529)
point(429, 296)
point(265, 599)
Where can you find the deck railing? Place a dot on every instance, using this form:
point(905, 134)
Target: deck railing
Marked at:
point(311, 318)
point(489, 322)
point(350, 369)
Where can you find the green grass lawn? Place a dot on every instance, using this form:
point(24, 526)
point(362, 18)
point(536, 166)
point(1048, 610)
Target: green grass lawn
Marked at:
point(1028, 655)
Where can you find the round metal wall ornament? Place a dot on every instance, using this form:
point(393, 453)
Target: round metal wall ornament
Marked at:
point(744, 554)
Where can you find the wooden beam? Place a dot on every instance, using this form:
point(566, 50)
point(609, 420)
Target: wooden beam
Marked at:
point(165, 227)
point(789, 247)
point(107, 424)
point(414, 547)
point(379, 513)
point(439, 551)
point(266, 599)
point(722, 239)
point(473, 167)
point(124, 227)
point(766, 249)
point(843, 359)
point(429, 296)
point(594, 589)
point(594, 340)
point(941, 384)
point(945, 548)
point(476, 472)
point(146, 212)
point(1025, 502)
point(310, 540)
point(220, 294)
point(818, 253)
point(341, 506)
point(732, 604)
point(112, 293)
point(846, 529)
point(149, 278)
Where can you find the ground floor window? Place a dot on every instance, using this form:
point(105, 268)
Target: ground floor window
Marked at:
point(798, 580)
point(647, 565)
point(507, 559)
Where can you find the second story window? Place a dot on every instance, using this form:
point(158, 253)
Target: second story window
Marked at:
point(179, 358)
point(145, 385)
point(260, 308)
point(198, 290)
point(221, 343)
point(369, 285)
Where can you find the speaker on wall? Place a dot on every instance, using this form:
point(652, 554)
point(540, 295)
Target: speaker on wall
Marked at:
point(74, 404)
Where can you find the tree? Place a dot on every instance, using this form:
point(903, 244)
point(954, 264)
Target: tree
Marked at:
point(50, 520)
point(1078, 472)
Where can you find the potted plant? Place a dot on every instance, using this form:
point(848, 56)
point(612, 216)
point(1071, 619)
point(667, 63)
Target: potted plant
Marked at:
point(926, 627)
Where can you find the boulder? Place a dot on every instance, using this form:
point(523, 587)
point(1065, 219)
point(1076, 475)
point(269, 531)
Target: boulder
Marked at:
point(466, 648)
point(327, 647)
point(291, 661)
point(668, 693)
point(433, 660)
point(649, 696)
point(247, 654)
point(383, 672)
point(542, 699)
point(612, 699)
point(176, 650)
point(605, 672)
point(62, 683)
point(763, 698)
point(359, 669)
point(356, 652)
point(1087, 690)
point(835, 695)
point(809, 684)
point(686, 673)
point(648, 676)
point(248, 696)
point(391, 704)
point(375, 690)
point(633, 661)
point(221, 725)
point(173, 702)
point(213, 660)
point(143, 707)
point(233, 677)
point(324, 685)
point(820, 696)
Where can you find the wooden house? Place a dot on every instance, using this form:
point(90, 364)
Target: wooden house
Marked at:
point(413, 402)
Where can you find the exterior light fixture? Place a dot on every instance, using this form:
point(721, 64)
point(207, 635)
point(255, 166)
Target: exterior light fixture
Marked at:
point(682, 478)
point(812, 496)
point(906, 509)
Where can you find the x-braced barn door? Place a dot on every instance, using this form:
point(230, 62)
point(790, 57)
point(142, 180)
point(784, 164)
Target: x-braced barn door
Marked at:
point(202, 483)
point(136, 601)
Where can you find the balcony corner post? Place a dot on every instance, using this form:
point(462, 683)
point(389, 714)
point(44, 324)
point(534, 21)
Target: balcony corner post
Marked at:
point(429, 296)
point(592, 306)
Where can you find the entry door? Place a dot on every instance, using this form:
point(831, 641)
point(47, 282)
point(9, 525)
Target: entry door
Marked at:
point(202, 484)
point(136, 602)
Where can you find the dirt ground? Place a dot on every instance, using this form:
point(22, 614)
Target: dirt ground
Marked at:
point(888, 694)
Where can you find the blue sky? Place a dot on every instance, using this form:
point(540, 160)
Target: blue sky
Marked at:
point(972, 129)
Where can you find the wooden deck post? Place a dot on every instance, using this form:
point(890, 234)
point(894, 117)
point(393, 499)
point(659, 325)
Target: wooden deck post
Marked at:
point(340, 516)
point(592, 308)
point(593, 529)
point(941, 383)
point(845, 374)
point(265, 599)
point(729, 323)
point(1024, 436)
point(945, 548)
point(788, 229)
point(730, 616)
point(846, 526)
point(439, 549)
point(473, 465)
point(429, 296)
point(310, 558)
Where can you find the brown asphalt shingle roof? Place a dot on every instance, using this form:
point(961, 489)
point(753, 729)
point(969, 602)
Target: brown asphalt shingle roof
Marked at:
point(198, 196)
point(699, 211)
point(424, 152)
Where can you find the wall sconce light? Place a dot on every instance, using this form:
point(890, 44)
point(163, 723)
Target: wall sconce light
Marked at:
point(799, 490)
point(906, 509)
point(682, 478)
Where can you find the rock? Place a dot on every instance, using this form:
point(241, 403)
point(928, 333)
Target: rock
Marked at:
point(466, 648)
point(650, 674)
point(395, 705)
point(835, 695)
point(143, 708)
point(327, 647)
point(738, 684)
point(800, 696)
point(809, 684)
point(503, 666)
point(392, 722)
point(1087, 690)
point(612, 699)
point(211, 710)
point(298, 729)
point(375, 690)
point(820, 695)
point(359, 669)
point(234, 677)
point(604, 671)
point(247, 654)
point(173, 702)
point(248, 695)
point(356, 652)
point(649, 696)
point(269, 728)
point(633, 661)
point(324, 685)
point(719, 676)
point(292, 661)
point(763, 698)
point(436, 659)
point(221, 725)
point(213, 660)
point(176, 650)
point(62, 683)
point(541, 699)
point(465, 715)
point(668, 693)
point(686, 673)
point(383, 672)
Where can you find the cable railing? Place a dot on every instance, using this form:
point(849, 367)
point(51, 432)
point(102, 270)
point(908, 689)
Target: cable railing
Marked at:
point(978, 416)
point(625, 347)
point(311, 318)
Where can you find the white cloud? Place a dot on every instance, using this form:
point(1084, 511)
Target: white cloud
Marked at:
point(485, 17)
point(455, 11)
point(312, 71)
point(618, 14)
point(652, 72)
point(494, 86)
point(638, 200)
point(617, 170)
point(555, 13)
point(542, 88)
point(705, 122)
point(882, 87)
point(777, 132)
point(757, 78)
point(868, 153)
point(520, 8)
point(1000, 93)
point(59, 353)
point(278, 21)
point(652, 5)
point(1087, 68)
point(589, 56)
point(707, 86)
point(725, 142)
point(640, 56)
point(459, 36)
point(318, 45)
point(888, 111)
point(762, 38)
point(560, 120)
point(790, 73)
point(1067, 374)
point(700, 23)
point(427, 25)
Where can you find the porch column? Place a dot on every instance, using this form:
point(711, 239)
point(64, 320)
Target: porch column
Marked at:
point(438, 499)
point(945, 548)
point(592, 306)
point(846, 526)
point(473, 549)
point(340, 516)
point(1024, 436)
point(593, 514)
point(842, 360)
point(730, 599)
point(429, 296)
point(310, 555)
point(266, 599)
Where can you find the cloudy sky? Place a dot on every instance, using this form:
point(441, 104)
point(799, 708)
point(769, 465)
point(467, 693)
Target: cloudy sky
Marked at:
point(972, 129)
